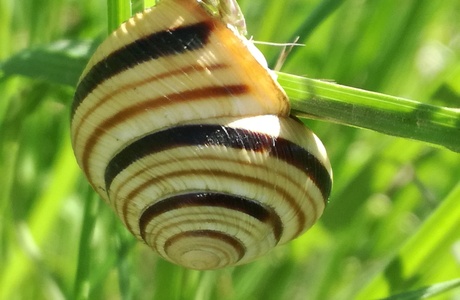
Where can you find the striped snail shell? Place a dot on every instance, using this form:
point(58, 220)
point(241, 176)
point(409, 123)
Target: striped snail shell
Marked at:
point(187, 136)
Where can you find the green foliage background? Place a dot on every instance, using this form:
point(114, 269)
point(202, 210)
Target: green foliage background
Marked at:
point(393, 221)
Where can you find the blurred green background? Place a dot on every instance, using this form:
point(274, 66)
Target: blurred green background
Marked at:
point(393, 221)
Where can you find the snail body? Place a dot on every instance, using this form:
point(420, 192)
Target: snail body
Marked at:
point(187, 136)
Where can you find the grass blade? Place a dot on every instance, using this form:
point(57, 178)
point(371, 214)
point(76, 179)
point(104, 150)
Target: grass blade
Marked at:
point(84, 252)
point(427, 292)
point(64, 61)
point(317, 16)
point(419, 260)
point(41, 220)
point(118, 11)
point(386, 114)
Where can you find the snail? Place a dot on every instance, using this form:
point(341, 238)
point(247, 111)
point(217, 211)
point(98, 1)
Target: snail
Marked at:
point(181, 128)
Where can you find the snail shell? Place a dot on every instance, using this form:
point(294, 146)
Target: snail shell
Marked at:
point(187, 136)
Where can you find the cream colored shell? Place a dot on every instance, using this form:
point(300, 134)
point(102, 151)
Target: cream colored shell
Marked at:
point(188, 137)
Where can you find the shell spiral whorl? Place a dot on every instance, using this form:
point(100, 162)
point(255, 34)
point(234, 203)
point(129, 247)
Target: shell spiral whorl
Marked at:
point(188, 137)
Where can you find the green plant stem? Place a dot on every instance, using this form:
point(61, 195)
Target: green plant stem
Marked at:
point(395, 116)
point(118, 12)
point(84, 254)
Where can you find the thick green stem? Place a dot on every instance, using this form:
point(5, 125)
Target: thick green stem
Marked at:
point(386, 114)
